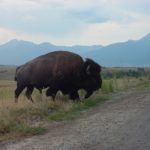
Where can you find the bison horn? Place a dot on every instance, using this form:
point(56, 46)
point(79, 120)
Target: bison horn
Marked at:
point(88, 70)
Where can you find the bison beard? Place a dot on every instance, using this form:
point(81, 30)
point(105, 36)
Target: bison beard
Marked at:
point(59, 70)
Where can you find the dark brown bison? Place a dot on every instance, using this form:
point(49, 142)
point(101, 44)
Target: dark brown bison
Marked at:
point(59, 70)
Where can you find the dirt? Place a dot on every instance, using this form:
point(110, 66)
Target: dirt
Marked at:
point(123, 123)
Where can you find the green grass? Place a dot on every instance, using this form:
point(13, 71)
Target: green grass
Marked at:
point(76, 109)
point(37, 130)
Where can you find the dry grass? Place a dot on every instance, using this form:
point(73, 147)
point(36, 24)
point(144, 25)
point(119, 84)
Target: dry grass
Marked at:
point(112, 85)
point(25, 118)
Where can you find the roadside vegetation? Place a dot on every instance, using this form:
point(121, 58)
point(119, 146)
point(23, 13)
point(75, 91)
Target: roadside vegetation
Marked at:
point(26, 119)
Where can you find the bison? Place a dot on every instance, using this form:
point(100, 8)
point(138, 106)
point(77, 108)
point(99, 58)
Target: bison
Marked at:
point(59, 70)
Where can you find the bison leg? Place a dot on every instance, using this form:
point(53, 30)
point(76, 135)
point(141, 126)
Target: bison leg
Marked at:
point(29, 92)
point(51, 92)
point(88, 94)
point(18, 90)
point(40, 90)
point(74, 95)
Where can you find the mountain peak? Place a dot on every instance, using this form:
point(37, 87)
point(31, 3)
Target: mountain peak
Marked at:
point(13, 41)
point(16, 42)
point(146, 37)
point(133, 53)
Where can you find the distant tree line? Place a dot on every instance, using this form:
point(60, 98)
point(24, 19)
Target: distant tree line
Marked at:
point(138, 72)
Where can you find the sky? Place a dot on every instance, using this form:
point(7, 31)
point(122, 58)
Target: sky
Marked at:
point(74, 22)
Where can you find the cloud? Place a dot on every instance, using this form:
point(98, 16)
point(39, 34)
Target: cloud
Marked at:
point(6, 34)
point(21, 5)
point(111, 31)
point(28, 18)
point(74, 21)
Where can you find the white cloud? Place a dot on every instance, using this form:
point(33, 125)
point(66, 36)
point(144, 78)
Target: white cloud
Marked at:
point(88, 34)
point(6, 35)
point(70, 22)
point(110, 32)
point(18, 5)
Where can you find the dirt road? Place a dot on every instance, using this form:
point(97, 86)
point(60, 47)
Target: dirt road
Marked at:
point(122, 123)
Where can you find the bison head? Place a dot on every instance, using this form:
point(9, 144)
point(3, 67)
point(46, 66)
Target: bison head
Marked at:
point(92, 78)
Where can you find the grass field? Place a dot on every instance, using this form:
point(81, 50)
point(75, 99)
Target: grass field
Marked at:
point(26, 118)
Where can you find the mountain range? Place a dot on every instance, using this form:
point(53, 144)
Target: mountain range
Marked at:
point(132, 53)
